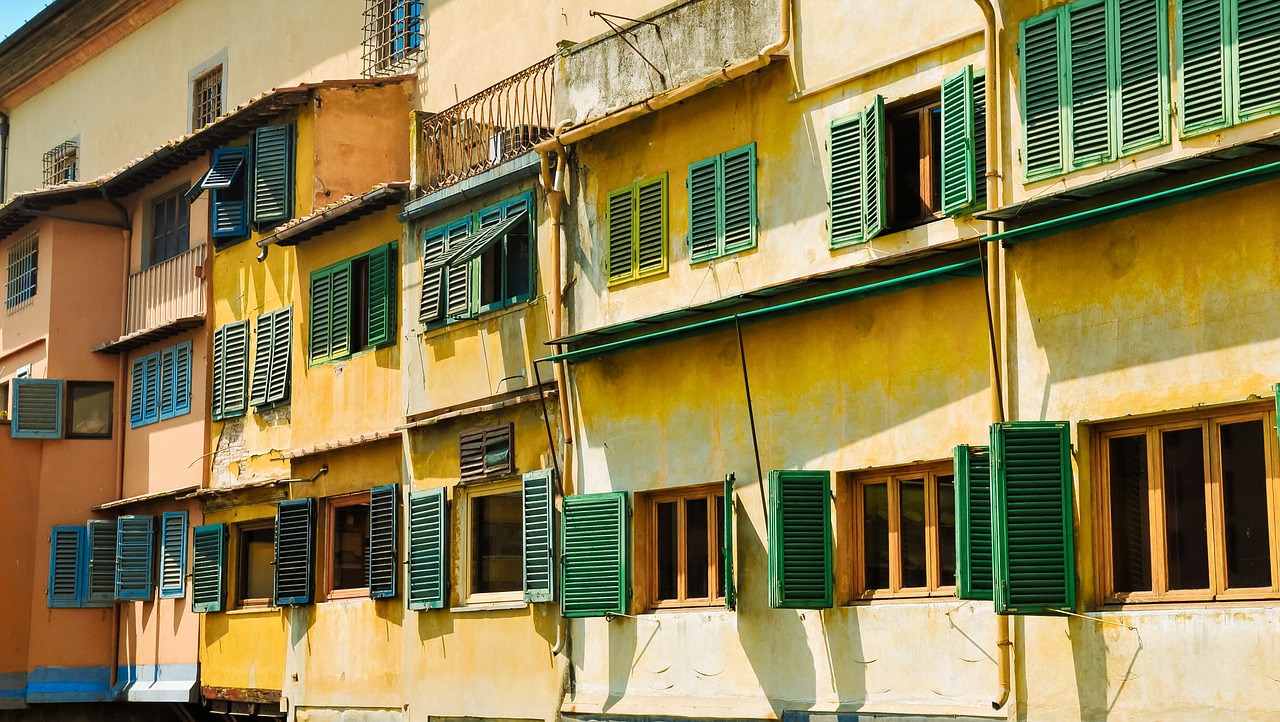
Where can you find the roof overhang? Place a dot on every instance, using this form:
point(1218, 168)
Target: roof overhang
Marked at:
point(337, 214)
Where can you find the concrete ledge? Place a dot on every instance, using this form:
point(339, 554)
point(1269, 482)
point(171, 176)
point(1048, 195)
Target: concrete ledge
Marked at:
point(158, 683)
point(13, 690)
point(69, 684)
point(477, 185)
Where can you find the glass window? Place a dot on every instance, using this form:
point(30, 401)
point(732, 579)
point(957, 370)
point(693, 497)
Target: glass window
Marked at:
point(89, 409)
point(905, 525)
point(497, 542)
point(687, 532)
point(348, 557)
point(915, 162)
point(170, 226)
point(255, 564)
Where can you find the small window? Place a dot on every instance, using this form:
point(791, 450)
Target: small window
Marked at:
point(347, 569)
point(392, 35)
point(495, 542)
point(62, 163)
point(915, 162)
point(255, 564)
point(685, 534)
point(170, 227)
point(352, 305)
point(88, 410)
point(904, 525)
point(206, 98)
point(22, 272)
point(486, 453)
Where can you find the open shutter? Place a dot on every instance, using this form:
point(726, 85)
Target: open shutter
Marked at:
point(1203, 40)
point(1042, 95)
point(219, 373)
point(959, 134)
point(181, 379)
point(340, 312)
point(458, 276)
point(384, 505)
point(596, 555)
point(431, 304)
point(1257, 62)
point(726, 552)
point(101, 589)
point(227, 180)
point(208, 570)
point(281, 370)
point(262, 358)
point(875, 171)
point(704, 216)
point(37, 409)
point(232, 394)
point(135, 539)
point(539, 558)
point(1090, 86)
point(295, 541)
point(321, 309)
point(272, 174)
point(137, 391)
point(980, 139)
point(973, 522)
point(429, 549)
point(651, 226)
point(382, 295)
point(621, 225)
point(173, 554)
point(846, 183)
point(1142, 65)
point(66, 572)
point(800, 569)
point(739, 198)
point(1032, 517)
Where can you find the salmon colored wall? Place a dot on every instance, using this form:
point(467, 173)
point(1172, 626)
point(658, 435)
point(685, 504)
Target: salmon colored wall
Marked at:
point(361, 139)
point(28, 324)
point(162, 631)
point(87, 294)
point(20, 541)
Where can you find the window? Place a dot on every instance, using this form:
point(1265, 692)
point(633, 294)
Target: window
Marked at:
point(1228, 53)
point(250, 184)
point(392, 35)
point(353, 305)
point(1183, 506)
point(255, 560)
point(271, 368)
point(206, 98)
point(684, 539)
point(22, 272)
point(494, 542)
point(904, 531)
point(347, 556)
point(160, 385)
point(478, 263)
point(722, 204)
point(226, 181)
point(230, 370)
point(915, 162)
point(88, 409)
point(170, 227)
point(637, 226)
point(62, 163)
point(485, 453)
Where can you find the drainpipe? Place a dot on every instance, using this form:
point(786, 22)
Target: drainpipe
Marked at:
point(4, 152)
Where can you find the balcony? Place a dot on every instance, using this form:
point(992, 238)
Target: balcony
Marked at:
point(496, 125)
point(163, 300)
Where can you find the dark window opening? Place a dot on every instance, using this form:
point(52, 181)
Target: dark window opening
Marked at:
point(915, 163)
point(170, 227)
point(497, 543)
point(89, 409)
point(255, 565)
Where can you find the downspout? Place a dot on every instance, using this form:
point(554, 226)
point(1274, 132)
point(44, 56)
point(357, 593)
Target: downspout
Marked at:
point(122, 418)
point(4, 152)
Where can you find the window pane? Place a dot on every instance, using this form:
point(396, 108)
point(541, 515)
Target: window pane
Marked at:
point(518, 261)
point(90, 409)
point(497, 543)
point(946, 531)
point(491, 262)
point(906, 203)
point(668, 552)
point(1244, 501)
point(719, 544)
point(911, 533)
point(1184, 509)
point(875, 535)
point(351, 546)
point(697, 578)
point(257, 555)
point(1130, 514)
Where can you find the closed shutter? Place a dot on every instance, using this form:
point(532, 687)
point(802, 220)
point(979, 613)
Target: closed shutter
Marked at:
point(1042, 94)
point(539, 557)
point(1257, 62)
point(739, 198)
point(1203, 40)
point(208, 570)
point(295, 542)
point(101, 581)
point(173, 554)
point(704, 218)
point(384, 505)
point(1142, 67)
point(37, 409)
point(272, 174)
point(726, 551)
point(151, 389)
point(230, 370)
point(382, 299)
point(621, 226)
point(1090, 86)
point(875, 164)
point(167, 369)
point(181, 379)
point(959, 134)
point(846, 181)
point(800, 570)
point(973, 522)
point(137, 391)
point(596, 555)
point(1032, 517)
point(135, 540)
point(485, 452)
point(429, 549)
point(318, 320)
point(66, 571)
point(651, 226)
point(230, 212)
point(431, 304)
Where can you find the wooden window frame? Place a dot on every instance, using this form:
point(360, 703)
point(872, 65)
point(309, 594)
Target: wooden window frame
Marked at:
point(852, 567)
point(1209, 421)
point(465, 528)
point(68, 414)
point(646, 562)
point(241, 564)
point(332, 505)
point(921, 107)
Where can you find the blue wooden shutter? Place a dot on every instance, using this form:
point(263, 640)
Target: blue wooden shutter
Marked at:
point(229, 212)
point(168, 368)
point(429, 549)
point(173, 554)
point(37, 409)
point(177, 400)
point(800, 568)
point(1042, 96)
point(1257, 59)
point(973, 522)
point(208, 569)
point(66, 566)
point(101, 579)
point(295, 554)
point(272, 174)
point(135, 539)
point(846, 184)
point(539, 556)
point(1032, 537)
point(738, 198)
point(704, 204)
point(1089, 89)
point(151, 389)
point(382, 299)
point(137, 391)
point(959, 135)
point(597, 555)
point(1142, 69)
point(384, 537)
point(726, 551)
point(875, 170)
point(620, 224)
point(1203, 43)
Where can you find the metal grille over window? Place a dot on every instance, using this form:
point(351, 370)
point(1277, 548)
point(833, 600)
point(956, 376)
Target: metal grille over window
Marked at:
point(22, 273)
point(206, 98)
point(392, 35)
point(62, 163)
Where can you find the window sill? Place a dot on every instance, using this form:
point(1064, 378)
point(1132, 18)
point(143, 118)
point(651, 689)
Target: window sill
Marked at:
point(485, 315)
point(265, 609)
point(490, 607)
point(938, 598)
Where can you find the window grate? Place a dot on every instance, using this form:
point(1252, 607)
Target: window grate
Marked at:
point(62, 163)
point(206, 98)
point(22, 273)
point(392, 35)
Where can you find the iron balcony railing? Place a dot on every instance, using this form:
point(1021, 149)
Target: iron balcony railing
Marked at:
point(169, 291)
point(491, 127)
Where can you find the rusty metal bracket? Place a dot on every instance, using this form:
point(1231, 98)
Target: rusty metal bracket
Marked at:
point(618, 31)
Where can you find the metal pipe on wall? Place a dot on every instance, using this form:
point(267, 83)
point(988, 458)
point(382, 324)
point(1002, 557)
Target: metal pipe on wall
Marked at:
point(4, 153)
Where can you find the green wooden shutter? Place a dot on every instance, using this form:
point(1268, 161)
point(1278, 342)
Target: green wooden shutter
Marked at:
point(1257, 61)
point(295, 551)
point(959, 134)
point(137, 391)
point(726, 552)
point(280, 371)
point(458, 277)
point(340, 312)
point(1142, 73)
point(382, 298)
point(800, 568)
point(37, 409)
point(621, 226)
point(1203, 45)
point(318, 322)
point(219, 373)
point(230, 370)
point(973, 522)
point(651, 226)
point(431, 303)
point(173, 554)
point(384, 507)
point(846, 181)
point(539, 557)
point(66, 567)
point(101, 580)
point(272, 174)
point(1042, 96)
point(208, 569)
point(875, 171)
point(135, 540)
point(429, 549)
point(1089, 88)
point(596, 573)
point(739, 198)
point(704, 216)
point(980, 139)
point(262, 358)
point(1032, 540)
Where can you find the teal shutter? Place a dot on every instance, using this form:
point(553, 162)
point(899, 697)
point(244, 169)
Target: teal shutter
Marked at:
point(1142, 70)
point(458, 280)
point(135, 540)
point(726, 552)
point(37, 409)
point(596, 555)
point(800, 568)
point(959, 135)
point(384, 506)
point(846, 183)
point(295, 542)
point(1032, 540)
point(229, 212)
point(382, 295)
point(230, 370)
point(173, 554)
point(875, 169)
point(208, 570)
point(1089, 89)
point(429, 549)
point(1042, 96)
point(340, 312)
point(261, 358)
point(651, 226)
point(539, 555)
point(620, 222)
point(704, 216)
point(151, 386)
point(974, 568)
point(1203, 44)
point(181, 401)
point(272, 174)
point(739, 198)
point(219, 373)
point(66, 567)
point(432, 302)
point(1257, 62)
point(101, 581)
point(137, 391)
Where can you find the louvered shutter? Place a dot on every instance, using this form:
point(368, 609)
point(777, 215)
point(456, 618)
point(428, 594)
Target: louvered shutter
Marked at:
point(484, 452)
point(264, 338)
point(229, 211)
point(295, 542)
point(208, 569)
point(281, 368)
point(875, 171)
point(429, 549)
point(726, 551)
point(135, 540)
point(384, 504)
point(151, 389)
point(1142, 68)
point(181, 379)
point(800, 570)
point(539, 556)
point(230, 370)
point(973, 522)
point(959, 135)
point(137, 391)
point(739, 198)
point(1203, 32)
point(219, 373)
point(37, 409)
point(1042, 95)
point(165, 398)
point(431, 304)
point(173, 554)
point(471, 455)
point(704, 216)
point(340, 312)
point(596, 555)
point(66, 567)
point(651, 226)
point(980, 139)
point(381, 306)
point(458, 277)
point(101, 580)
point(1257, 61)
point(321, 309)
point(1090, 86)
point(846, 184)
point(621, 226)
point(272, 174)
point(1032, 541)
